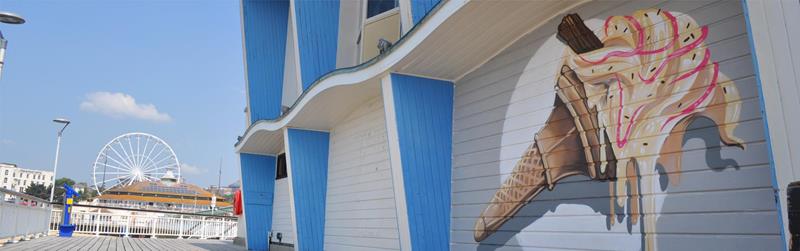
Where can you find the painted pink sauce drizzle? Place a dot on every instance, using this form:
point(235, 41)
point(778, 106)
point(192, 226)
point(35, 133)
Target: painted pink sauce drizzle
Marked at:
point(702, 65)
point(621, 141)
point(638, 50)
point(699, 100)
point(677, 53)
point(639, 43)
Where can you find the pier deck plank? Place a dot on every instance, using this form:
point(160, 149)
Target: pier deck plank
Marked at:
point(119, 243)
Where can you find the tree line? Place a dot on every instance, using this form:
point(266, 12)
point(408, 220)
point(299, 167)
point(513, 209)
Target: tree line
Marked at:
point(43, 192)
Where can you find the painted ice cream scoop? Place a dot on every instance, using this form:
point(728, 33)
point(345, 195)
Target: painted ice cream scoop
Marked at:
point(620, 110)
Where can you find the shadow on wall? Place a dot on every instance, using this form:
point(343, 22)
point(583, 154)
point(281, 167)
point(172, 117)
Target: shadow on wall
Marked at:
point(703, 129)
point(703, 133)
point(532, 212)
point(519, 223)
point(536, 210)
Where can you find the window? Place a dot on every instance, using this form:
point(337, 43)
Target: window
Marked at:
point(5, 180)
point(6, 172)
point(375, 7)
point(281, 167)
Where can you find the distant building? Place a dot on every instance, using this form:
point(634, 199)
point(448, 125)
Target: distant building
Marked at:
point(81, 187)
point(18, 179)
point(225, 191)
point(167, 194)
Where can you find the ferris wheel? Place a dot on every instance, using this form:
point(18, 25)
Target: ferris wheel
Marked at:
point(133, 157)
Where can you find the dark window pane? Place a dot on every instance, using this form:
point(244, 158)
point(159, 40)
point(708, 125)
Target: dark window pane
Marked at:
point(375, 7)
point(281, 169)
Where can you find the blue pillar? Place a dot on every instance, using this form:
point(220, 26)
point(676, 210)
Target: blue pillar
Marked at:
point(308, 175)
point(264, 25)
point(420, 117)
point(420, 8)
point(317, 38)
point(258, 187)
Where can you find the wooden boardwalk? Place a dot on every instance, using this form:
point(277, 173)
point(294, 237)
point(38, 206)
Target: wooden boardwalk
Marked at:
point(119, 243)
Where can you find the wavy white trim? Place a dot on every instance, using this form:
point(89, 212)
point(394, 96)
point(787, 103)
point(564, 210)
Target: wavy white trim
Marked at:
point(371, 71)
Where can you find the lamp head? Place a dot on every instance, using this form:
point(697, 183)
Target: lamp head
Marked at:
point(61, 120)
point(11, 18)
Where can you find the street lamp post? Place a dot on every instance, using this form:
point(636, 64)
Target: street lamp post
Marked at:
point(9, 18)
point(58, 148)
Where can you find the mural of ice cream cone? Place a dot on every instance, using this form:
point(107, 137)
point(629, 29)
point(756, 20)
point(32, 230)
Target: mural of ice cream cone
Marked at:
point(619, 109)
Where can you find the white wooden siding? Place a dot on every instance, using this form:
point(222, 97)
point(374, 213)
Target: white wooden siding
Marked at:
point(360, 208)
point(776, 35)
point(724, 202)
point(281, 213)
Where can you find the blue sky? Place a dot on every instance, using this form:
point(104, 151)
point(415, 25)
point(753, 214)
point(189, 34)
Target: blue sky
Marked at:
point(180, 61)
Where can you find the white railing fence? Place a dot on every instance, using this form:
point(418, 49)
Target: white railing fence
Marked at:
point(22, 222)
point(148, 225)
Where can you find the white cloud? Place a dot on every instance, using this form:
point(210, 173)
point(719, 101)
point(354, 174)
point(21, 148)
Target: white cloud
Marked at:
point(192, 170)
point(121, 105)
point(7, 142)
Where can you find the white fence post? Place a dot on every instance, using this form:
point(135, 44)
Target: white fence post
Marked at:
point(127, 225)
point(153, 227)
point(97, 223)
point(202, 228)
point(180, 234)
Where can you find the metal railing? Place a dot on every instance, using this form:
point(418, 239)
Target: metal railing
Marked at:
point(22, 218)
point(137, 223)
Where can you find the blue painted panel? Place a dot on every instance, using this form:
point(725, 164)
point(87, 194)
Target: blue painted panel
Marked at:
point(308, 153)
point(424, 114)
point(265, 47)
point(258, 187)
point(762, 105)
point(317, 38)
point(420, 8)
